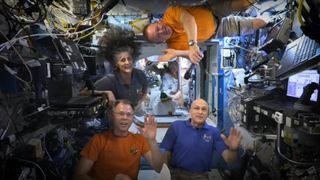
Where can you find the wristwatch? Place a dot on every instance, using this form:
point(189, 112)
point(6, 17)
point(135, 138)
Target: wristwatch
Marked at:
point(192, 42)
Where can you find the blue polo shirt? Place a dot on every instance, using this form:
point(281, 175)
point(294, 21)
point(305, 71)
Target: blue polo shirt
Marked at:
point(192, 148)
point(115, 83)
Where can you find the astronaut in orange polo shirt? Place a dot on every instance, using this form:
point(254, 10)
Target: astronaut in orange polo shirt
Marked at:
point(116, 154)
point(182, 27)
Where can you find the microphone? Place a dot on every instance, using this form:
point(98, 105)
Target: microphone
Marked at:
point(188, 73)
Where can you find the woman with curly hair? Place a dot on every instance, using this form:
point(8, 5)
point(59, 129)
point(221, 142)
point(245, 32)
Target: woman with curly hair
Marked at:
point(120, 49)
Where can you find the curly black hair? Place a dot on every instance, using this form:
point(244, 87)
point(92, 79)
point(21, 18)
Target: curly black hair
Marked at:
point(116, 40)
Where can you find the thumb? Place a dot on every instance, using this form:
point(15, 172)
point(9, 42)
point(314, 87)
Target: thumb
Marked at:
point(223, 137)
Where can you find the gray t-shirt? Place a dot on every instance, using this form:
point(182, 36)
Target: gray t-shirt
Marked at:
point(133, 92)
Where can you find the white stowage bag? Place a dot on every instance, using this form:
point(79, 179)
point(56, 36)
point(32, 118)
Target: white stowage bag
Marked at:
point(165, 173)
point(161, 108)
point(164, 108)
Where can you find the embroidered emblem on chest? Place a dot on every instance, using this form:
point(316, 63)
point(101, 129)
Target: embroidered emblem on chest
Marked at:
point(133, 150)
point(207, 137)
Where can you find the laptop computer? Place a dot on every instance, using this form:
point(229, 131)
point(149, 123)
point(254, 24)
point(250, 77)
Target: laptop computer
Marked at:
point(301, 54)
point(280, 100)
point(76, 102)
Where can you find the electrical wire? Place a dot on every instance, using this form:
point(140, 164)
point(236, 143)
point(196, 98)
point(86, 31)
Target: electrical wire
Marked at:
point(82, 21)
point(252, 4)
point(14, 40)
point(24, 63)
point(90, 33)
point(299, 13)
point(39, 6)
point(5, 58)
point(273, 6)
point(17, 77)
point(84, 36)
point(23, 28)
point(58, 18)
point(36, 112)
point(8, 123)
point(33, 163)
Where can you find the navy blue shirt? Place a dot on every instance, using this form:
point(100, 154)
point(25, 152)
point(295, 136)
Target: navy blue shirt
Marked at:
point(115, 83)
point(192, 148)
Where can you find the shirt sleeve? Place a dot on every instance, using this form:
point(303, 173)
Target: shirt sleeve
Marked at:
point(220, 146)
point(92, 148)
point(172, 15)
point(105, 83)
point(169, 139)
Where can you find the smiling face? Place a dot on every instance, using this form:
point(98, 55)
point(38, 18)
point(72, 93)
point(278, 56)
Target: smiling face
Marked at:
point(158, 32)
point(124, 62)
point(199, 112)
point(122, 118)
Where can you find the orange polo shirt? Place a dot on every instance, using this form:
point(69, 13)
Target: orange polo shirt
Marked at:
point(206, 25)
point(113, 155)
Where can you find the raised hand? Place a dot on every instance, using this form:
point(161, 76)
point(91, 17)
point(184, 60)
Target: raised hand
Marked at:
point(233, 140)
point(149, 130)
point(195, 54)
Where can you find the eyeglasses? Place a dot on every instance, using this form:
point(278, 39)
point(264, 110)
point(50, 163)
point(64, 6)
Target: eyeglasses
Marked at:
point(124, 114)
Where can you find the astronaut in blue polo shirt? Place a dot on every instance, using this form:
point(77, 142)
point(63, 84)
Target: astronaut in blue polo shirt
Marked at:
point(189, 144)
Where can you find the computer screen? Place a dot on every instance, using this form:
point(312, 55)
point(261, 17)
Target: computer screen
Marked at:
point(71, 54)
point(61, 51)
point(298, 81)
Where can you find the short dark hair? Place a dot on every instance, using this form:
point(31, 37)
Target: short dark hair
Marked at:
point(144, 31)
point(172, 66)
point(122, 101)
